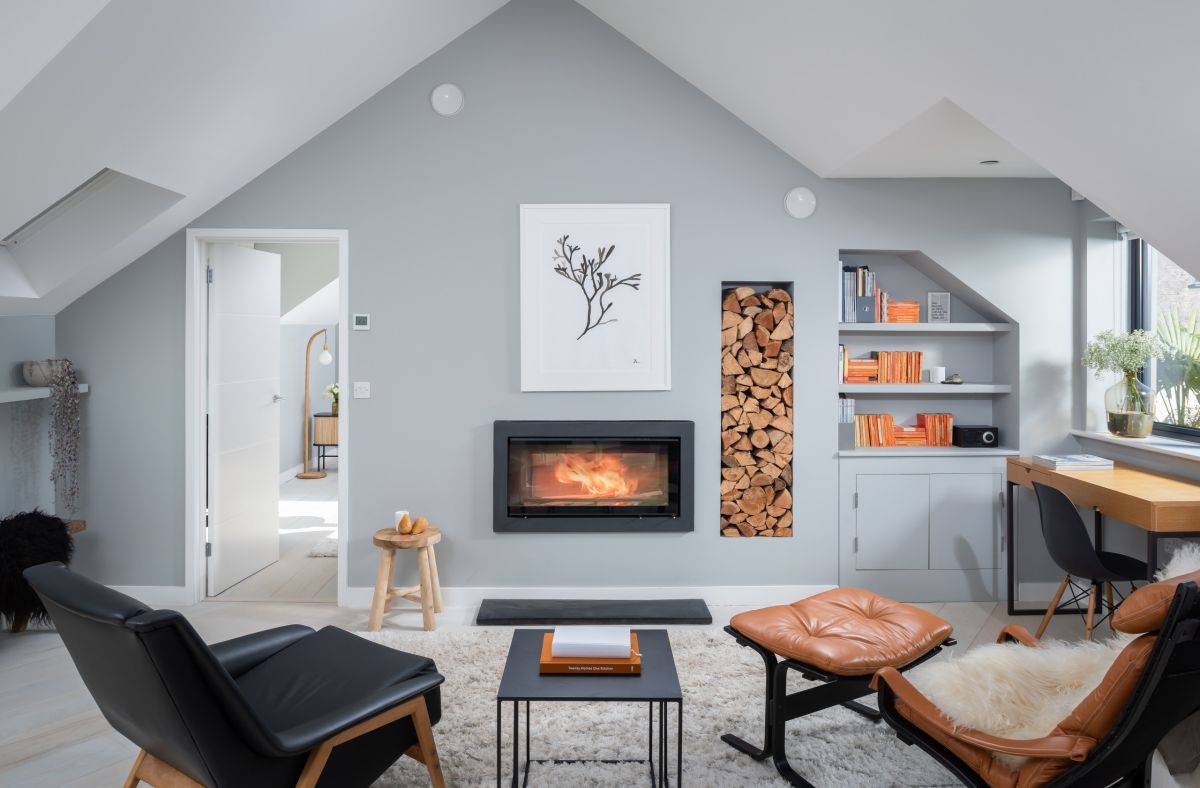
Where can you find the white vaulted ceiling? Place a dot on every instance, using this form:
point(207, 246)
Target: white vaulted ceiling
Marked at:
point(194, 99)
point(191, 98)
point(1102, 94)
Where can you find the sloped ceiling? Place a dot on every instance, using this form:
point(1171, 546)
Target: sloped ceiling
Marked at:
point(199, 98)
point(1102, 94)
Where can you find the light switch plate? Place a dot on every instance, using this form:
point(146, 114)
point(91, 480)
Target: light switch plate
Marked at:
point(362, 389)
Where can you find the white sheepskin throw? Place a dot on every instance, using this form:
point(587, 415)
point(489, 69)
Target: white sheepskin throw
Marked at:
point(1011, 690)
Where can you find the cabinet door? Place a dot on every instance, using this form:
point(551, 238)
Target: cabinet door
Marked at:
point(892, 523)
point(964, 520)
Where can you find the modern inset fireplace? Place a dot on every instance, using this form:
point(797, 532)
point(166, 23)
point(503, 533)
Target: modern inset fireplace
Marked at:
point(592, 476)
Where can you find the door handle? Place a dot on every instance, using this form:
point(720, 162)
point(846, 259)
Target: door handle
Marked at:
point(277, 397)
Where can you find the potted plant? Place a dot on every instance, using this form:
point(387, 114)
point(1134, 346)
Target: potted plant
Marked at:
point(331, 393)
point(1128, 403)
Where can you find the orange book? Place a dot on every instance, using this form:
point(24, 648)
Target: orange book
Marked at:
point(629, 666)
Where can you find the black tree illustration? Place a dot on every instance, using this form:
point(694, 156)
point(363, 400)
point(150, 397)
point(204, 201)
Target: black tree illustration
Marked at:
point(594, 283)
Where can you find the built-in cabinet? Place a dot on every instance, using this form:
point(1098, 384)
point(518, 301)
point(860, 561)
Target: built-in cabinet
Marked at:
point(923, 529)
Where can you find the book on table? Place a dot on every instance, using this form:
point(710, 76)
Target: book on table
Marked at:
point(628, 665)
point(1073, 462)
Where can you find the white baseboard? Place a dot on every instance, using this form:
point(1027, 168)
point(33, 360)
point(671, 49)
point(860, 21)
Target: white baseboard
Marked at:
point(290, 473)
point(470, 596)
point(158, 596)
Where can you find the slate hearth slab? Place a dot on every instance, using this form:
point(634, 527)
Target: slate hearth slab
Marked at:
point(539, 612)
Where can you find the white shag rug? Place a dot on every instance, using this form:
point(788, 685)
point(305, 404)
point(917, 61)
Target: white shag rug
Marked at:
point(1017, 692)
point(326, 548)
point(723, 693)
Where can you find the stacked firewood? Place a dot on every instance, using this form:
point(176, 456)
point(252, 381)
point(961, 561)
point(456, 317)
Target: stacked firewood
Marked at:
point(756, 412)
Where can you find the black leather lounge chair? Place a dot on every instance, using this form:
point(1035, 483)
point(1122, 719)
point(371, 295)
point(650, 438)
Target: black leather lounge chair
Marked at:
point(288, 706)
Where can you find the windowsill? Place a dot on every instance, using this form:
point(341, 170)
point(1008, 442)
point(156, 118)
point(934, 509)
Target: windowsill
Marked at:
point(1155, 444)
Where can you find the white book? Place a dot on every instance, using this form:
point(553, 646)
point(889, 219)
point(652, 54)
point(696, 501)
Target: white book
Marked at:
point(608, 642)
point(1072, 461)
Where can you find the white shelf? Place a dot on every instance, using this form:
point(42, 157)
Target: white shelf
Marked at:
point(928, 451)
point(924, 328)
point(926, 390)
point(1155, 444)
point(31, 392)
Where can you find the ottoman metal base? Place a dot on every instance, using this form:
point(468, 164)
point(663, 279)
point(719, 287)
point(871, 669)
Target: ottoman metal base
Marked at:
point(782, 707)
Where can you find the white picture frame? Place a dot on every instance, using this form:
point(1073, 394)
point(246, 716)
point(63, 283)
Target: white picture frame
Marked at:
point(595, 297)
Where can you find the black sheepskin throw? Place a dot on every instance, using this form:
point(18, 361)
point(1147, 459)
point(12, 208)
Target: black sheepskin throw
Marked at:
point(28, 539)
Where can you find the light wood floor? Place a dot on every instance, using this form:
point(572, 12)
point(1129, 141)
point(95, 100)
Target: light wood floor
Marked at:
point(52, 734)
point(307, 515)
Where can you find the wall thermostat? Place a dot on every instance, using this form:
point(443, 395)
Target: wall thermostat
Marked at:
point(362, 323)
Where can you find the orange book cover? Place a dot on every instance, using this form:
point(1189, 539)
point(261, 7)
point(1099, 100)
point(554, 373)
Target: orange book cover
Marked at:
point(630, 666)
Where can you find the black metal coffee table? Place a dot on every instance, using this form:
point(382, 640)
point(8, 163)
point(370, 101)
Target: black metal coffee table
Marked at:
point(658, 685)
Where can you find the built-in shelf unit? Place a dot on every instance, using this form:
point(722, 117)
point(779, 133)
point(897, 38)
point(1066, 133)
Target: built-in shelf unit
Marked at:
point(923, 523)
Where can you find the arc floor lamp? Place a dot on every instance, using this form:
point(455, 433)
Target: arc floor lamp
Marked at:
point(325, 359)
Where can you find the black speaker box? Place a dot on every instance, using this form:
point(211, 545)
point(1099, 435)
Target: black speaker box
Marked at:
point(976, 436)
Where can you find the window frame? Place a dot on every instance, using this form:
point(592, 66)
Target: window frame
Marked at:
point(1139, 256)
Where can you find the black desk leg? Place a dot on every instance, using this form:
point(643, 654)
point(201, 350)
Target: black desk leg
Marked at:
point(1008, 542)
point(1098, 541)
point(1151, 555)
point(499, 706)
point(650, 744)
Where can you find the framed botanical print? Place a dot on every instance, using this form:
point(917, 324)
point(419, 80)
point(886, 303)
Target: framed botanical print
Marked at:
point(596, 297)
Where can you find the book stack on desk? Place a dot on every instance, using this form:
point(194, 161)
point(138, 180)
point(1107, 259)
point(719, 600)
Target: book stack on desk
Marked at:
point(1073, 462)
point(591, 650)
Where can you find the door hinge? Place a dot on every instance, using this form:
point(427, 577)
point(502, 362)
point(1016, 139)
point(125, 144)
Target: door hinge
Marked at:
point(210, 276)
point(854, 501)
point(208, 549)
point(856, 544)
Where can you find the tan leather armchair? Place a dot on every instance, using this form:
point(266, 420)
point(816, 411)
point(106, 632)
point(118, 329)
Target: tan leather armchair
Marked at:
point(1153, 684)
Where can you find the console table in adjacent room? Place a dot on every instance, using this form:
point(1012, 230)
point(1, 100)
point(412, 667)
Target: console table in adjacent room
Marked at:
point(325, 434)
point(1162, 506)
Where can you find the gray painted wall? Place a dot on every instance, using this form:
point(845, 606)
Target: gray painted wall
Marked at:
point(292, 341)
point(560, 108)
point(126, 339)
point(25, 471)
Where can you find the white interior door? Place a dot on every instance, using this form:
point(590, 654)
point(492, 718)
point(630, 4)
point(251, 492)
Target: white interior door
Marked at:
point(243, 413)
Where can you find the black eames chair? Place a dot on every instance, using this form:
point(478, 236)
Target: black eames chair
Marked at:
point(287, 706)
point(1069, 546)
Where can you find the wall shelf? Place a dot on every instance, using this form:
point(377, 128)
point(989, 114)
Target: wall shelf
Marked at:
point(23, 393)
point(928, 451)
point(926, 390)
point(943, 329)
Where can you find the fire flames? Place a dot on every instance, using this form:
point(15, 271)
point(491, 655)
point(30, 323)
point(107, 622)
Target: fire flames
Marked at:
point(599, 475)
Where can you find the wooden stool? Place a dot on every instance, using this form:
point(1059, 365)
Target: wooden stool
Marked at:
point(428, 594)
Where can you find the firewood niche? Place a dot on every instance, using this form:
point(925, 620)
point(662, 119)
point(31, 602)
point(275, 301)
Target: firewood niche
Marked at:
point(757, 322)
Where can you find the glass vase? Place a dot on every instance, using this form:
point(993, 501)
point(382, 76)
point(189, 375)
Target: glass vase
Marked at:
point(1129, 405)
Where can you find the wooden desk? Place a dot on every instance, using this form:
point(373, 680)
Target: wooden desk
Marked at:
point(1162, 506)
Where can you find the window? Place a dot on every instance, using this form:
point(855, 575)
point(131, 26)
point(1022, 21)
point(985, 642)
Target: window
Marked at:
point(1165, 298)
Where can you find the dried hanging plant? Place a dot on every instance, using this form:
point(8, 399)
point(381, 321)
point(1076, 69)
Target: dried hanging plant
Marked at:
point(64, 434)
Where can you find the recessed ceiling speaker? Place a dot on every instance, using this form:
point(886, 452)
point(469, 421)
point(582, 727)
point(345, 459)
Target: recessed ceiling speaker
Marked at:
point(800, 202)
point(447, 99)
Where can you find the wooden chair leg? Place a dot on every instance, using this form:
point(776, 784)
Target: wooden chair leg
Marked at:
point(1062, 587)
point(1108, 597)
point(1093, 595)
point(437, 583)
point(426, 751)
point(383, 585)
point(132, 780)
point(426, 589)
point(425, 743)
point(160, 774)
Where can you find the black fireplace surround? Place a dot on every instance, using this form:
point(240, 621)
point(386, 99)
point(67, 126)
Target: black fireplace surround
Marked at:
point(592, 476)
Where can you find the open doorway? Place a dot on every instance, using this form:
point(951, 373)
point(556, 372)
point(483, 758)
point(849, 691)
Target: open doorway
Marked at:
point(267, 455)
